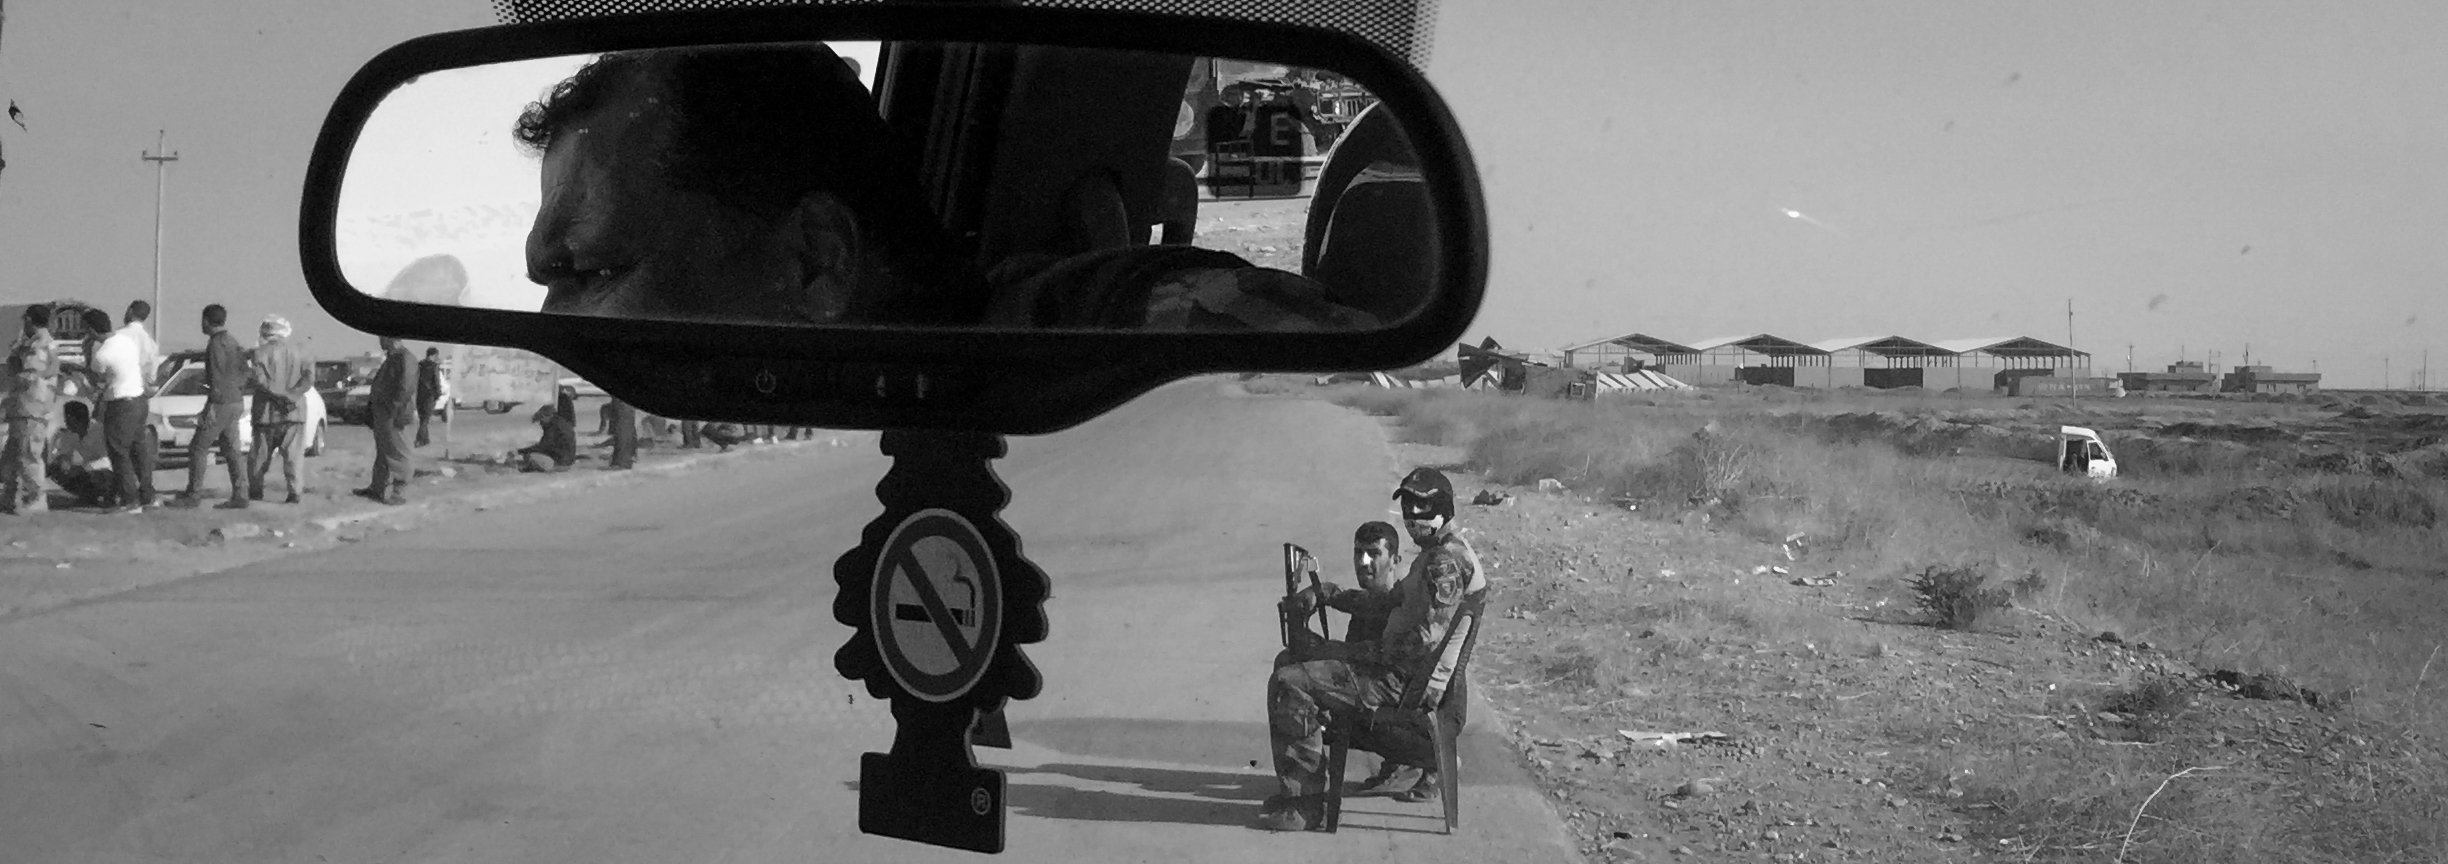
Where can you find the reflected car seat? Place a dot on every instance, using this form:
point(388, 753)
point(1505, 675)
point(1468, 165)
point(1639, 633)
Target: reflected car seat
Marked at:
point(1371, 235)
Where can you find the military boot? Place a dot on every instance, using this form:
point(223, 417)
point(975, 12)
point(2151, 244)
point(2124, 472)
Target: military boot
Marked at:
point(1293, 813)
point(1392, 778)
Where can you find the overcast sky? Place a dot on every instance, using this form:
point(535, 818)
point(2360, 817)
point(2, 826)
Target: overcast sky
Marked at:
point(2203, 174)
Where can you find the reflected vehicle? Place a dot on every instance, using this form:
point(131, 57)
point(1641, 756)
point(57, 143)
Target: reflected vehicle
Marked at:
point(1262, 130)
point(757, 184)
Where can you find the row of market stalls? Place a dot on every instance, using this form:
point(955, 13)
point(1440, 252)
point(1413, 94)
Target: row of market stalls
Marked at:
point(1870, 361)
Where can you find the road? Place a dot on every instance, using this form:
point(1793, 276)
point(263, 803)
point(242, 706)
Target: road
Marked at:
point(647, 676)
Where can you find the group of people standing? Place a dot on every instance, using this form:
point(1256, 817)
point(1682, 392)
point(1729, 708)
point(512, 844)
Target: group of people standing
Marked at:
point(112, 466)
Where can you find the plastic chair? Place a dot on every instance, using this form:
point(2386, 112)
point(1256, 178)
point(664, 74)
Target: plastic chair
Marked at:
point(1427, 701)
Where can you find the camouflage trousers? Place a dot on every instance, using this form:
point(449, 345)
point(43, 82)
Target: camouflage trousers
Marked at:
point(1304, 698)
point(21, 463)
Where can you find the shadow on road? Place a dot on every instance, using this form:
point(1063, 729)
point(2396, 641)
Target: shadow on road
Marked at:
point(1189, 742)
point(1216, 797)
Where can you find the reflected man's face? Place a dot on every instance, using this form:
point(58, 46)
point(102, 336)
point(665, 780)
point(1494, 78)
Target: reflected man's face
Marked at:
point(616, 236)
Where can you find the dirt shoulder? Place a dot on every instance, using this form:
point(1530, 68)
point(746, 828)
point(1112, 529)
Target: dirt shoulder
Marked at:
point(49, 560)
point(1823, 718)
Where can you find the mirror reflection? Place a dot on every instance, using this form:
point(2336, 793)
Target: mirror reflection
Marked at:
point(808, 184)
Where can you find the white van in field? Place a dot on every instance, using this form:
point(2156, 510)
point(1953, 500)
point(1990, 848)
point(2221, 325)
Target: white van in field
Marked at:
point(2081, 452)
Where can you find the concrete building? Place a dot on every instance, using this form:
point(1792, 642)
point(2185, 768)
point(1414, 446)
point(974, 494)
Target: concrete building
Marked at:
point(2185, 376)
point(2259, 379)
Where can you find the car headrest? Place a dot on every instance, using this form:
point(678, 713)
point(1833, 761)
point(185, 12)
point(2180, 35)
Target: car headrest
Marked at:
point(1371, 231)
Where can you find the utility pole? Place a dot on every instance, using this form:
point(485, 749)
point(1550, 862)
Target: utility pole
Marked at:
point(160, 165)
point(2069, 322)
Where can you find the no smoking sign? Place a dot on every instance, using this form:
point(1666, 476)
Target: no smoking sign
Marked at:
point(936, 606)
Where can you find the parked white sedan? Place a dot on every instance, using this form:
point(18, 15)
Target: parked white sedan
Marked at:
point(182, 398)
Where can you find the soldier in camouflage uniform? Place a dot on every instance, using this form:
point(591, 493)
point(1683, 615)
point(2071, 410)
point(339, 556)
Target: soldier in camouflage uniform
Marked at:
point(25, 407)
point(1376, 557)
point(1303, 697)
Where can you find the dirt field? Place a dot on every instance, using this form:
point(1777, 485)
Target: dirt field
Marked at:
point(1268, 233)
point(2222, 656)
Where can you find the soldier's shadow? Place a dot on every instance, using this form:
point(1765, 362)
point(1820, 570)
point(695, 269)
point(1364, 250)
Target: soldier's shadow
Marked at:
point(1215, 797)
point(1177, 795)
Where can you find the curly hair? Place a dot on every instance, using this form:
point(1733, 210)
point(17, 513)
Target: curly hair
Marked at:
point(760, 128)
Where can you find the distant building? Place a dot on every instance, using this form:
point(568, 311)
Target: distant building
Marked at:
point(2259, 379)
point(2185, 376)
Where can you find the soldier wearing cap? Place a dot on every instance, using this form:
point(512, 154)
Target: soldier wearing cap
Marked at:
point(1303, 697)
point(1426, 500)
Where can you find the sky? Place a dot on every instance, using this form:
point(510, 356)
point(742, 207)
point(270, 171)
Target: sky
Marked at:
point(2193, 176)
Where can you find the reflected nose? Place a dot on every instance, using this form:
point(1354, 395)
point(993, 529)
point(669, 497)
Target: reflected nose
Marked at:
point(548, 255)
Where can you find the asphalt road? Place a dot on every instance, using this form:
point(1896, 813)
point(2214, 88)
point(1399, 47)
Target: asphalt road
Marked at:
point(647, 675)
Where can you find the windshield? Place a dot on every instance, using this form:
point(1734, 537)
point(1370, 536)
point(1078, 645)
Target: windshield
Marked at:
point(1747, 488)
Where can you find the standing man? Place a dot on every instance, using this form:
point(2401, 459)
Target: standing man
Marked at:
point(624, 435)
point(126, 361)
point(33, 372)
point(391, 410)
point(428, 394)
point(225, 382)
point(282, 376)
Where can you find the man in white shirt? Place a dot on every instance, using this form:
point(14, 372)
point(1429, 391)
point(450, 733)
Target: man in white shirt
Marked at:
point(127, 360)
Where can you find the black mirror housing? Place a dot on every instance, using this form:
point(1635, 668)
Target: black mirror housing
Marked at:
point(877, 376)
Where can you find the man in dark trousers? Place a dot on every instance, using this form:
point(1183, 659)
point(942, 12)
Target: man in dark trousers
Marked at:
point(284, 377)
point(127, 359)
point(225, 383)
point(624, 436)
point(428, 394)
point(390, 411)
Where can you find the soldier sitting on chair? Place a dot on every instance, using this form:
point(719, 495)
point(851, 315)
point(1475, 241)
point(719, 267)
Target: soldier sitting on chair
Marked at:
point(1376, 558)
point(1303, 697)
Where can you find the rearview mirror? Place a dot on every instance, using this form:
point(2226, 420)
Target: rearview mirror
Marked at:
point(801, 189)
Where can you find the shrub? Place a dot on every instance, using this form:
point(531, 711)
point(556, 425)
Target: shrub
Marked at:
point(1955, 598)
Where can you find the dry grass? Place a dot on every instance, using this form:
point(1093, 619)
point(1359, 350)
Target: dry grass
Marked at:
point(2338, 581)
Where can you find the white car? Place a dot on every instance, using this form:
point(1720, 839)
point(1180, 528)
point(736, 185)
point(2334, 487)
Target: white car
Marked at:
point(182, 398)
point(585, 390)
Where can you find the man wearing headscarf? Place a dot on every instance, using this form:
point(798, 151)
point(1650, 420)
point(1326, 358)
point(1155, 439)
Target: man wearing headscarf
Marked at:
point(281, 376)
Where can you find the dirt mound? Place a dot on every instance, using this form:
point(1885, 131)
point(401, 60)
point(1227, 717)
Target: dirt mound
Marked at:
point(2259, 502)
point(2257, 434)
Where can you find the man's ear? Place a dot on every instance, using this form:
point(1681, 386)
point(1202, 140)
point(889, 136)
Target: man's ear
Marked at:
point(830, 249)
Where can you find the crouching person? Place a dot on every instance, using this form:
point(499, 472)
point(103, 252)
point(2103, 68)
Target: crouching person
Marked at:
point(79, 462)
point(557, 450)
